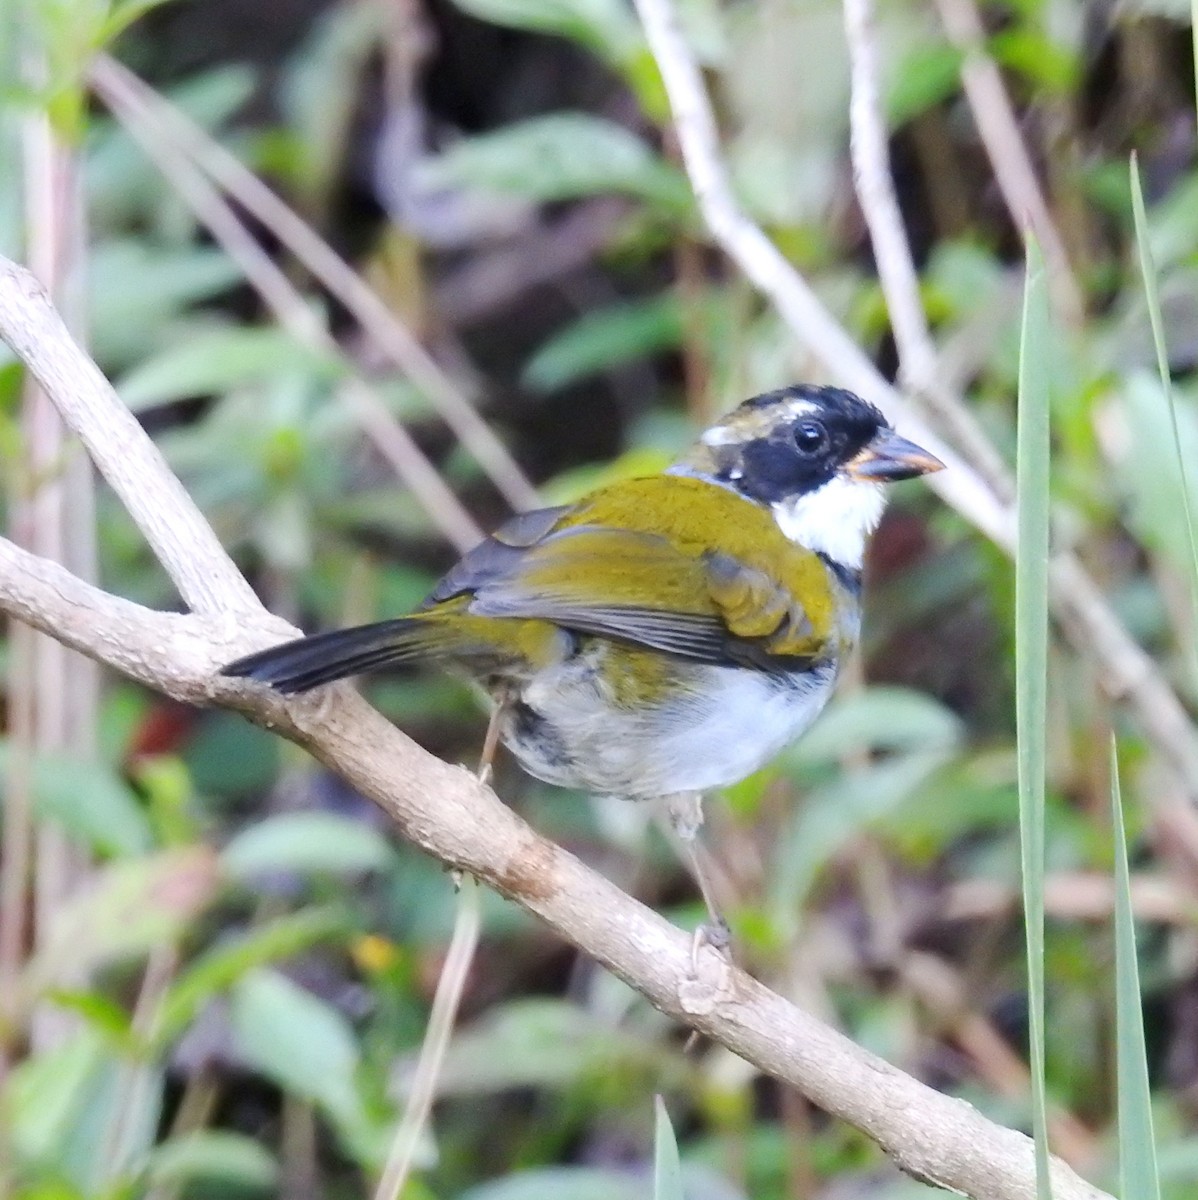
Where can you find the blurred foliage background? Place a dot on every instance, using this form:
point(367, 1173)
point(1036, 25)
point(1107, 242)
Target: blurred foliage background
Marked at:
point(215, 964)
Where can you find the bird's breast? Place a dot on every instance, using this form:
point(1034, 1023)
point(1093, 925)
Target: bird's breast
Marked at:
point(618, 721)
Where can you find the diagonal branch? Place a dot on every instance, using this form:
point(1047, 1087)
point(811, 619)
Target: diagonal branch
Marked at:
point(1094, 630)
point(172, 524)
point(998, 127)
point(443, 809)
point(918, 360)
point(291, 311)
point(120, 88)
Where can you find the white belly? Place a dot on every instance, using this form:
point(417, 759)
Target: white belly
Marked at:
point(729, 722)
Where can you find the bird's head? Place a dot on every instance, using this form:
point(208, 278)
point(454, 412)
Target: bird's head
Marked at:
point(818, 457)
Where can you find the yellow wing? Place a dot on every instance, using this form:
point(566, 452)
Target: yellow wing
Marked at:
point(636, 587)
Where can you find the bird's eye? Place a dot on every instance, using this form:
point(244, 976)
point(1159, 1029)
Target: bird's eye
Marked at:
point(810, 437)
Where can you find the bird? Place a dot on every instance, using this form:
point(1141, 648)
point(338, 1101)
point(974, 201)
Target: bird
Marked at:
point(663, 636)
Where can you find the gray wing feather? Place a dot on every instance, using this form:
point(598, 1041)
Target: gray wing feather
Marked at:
point(497, 556)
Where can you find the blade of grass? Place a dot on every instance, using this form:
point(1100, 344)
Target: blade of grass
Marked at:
point(1031, 662)
point(1138, 1175)
point(1153, 298)
point(667, 1168)
point(1194, 34)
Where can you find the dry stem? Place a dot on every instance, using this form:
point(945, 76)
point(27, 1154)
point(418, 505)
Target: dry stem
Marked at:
point(291, 311)
point(120, 88)
point(998, 127)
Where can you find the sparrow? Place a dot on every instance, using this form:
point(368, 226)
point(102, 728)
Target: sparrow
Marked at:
point(663, 636)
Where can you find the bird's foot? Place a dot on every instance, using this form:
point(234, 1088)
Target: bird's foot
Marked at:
point(715, 933)
point(710, 979)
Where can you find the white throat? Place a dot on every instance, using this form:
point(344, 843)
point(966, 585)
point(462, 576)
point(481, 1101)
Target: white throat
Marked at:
point(835, 519)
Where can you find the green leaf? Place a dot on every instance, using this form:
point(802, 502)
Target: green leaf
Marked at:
point(1137, 1145)
point(216, 1158)
point(45, 1096)
point(667, 1167)
point(605, 338)
point(830, 818)
point(99, 1011)
point(224, 964)
point(1036, 56)
point(89, 800)
point(1147, 470)
point(925, 77)
point(219, 360)
point(306, 841)
point(562, 156)
point(541, 1043)
point(878, 718)
point(137, 289)
point(229, 757)
point(1031, 661)
point(1174, 223)
point(126, 909)
point(61, 1110)
point(1152, 295)
point(297, 1041)
point(605, 27)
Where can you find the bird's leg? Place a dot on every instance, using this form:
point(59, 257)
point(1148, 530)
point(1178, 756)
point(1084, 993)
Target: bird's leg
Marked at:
point(486, 761)
point(685, 811)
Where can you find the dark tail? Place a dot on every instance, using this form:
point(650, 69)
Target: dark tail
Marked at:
point(308, 662)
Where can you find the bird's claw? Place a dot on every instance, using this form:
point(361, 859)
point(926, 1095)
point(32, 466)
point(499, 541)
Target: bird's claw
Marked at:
point(715, 933)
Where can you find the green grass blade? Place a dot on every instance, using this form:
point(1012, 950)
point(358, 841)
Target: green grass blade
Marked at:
point(1194, 34)
point(1138, 1174)
point(1152, 295)
point(1031, 661)
point(667, 1168)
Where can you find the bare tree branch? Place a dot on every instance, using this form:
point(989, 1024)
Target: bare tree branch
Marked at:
point(922, 369)
point(292, 312)
point(765, 265)
point(443, 809)
point(175, 528)
point(1096, 633)
point(919, 364)
point(119, 87)
point(998, 127)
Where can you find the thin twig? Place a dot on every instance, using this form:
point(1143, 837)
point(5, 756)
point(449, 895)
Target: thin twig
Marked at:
point(766, 267)
point(116, 85)
point(446, 1002)
point(449, 814)
point(919, 367)
point(288, 307)
point(56, 518)
point(875, 191)
point(1074, 896)
point(1125, 669)
point(997, 126)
